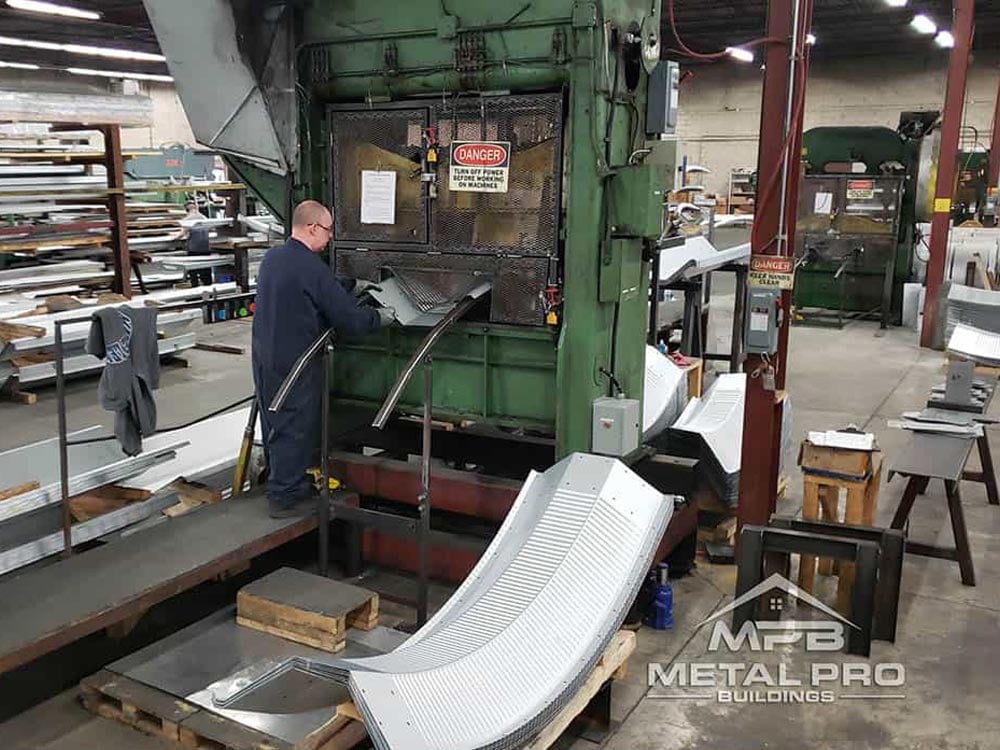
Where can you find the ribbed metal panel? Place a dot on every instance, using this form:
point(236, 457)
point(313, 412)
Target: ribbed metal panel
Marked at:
point(512, 645)
point(493, 666)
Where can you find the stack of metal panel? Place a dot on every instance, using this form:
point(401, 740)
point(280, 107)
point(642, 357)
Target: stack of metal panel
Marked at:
point(976, 344)
point(30, 521)
point(520, 635)
point(711, 427)
point(979, 308)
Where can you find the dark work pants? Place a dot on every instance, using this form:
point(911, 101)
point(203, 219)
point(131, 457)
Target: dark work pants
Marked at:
point(291, 435)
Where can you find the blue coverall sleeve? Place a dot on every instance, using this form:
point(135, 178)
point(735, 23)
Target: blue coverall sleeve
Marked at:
point(339, 309)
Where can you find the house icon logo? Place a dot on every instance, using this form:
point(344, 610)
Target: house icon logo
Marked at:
point(732, 675)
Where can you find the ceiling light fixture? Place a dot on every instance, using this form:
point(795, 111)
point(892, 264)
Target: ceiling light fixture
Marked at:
point(923, 24)
point(738, 53)
point(119, 74)
point(82, 49)
point(896, 3)
point(944, 39)
point(53, 9)
point(18, 66)
point(810, 39)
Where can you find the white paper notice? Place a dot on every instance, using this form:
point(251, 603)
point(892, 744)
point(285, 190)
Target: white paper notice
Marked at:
point(378, 197)
point(823, 203)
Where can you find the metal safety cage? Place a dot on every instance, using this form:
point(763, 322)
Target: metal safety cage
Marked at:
point(509, 237)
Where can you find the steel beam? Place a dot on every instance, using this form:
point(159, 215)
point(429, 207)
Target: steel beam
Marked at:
point(461, 492)
point(774, 226)
point(962, 29)
point(116, 208)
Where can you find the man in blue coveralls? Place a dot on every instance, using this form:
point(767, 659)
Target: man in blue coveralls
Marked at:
point(298, 297)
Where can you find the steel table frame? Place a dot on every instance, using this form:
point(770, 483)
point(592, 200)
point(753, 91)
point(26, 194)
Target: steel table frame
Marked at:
point(756, 541)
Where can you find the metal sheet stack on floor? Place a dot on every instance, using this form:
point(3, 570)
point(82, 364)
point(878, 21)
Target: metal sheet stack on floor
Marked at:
point(522, 632)
point(968, 306)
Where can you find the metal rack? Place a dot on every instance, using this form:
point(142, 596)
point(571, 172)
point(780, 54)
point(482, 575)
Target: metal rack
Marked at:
point(64, 441)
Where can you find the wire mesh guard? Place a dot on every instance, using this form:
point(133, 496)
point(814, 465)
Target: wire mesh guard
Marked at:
point(508, 236)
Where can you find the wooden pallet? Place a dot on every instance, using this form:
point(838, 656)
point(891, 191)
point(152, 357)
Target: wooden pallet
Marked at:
point(306, 608)
point(154, 712)
point(114, 696)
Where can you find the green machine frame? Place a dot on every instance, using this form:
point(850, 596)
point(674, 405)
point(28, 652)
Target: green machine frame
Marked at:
point(538, 378)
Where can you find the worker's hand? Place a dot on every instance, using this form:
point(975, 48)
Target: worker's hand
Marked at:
point(387, 315)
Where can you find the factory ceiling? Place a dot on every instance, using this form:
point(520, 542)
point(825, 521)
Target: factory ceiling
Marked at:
point(843, 28)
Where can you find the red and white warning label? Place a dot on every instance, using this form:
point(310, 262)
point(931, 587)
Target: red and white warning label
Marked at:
point(479, 166)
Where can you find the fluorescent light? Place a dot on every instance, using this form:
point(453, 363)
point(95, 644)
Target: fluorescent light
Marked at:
point(944, 39)
point(19, 66)
point(738, 53)
point(810, 39)
point(896, 3)
point(119, 74)
point(82, 49)
point(923, 24)
point(37, 6)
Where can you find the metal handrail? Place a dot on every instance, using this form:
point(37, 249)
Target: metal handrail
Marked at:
point(297, 369)
point(382, 417)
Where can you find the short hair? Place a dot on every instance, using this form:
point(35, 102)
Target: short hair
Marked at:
point(190, 204)
point(309, 212)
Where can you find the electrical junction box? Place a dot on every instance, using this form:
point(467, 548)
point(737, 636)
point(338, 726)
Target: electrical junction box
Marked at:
point(636, 196)
point(763, 320)
point(616, 426)
point(662, 99)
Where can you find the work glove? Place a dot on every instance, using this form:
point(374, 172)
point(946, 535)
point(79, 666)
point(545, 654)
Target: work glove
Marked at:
point(363, 287)
point(387, 315)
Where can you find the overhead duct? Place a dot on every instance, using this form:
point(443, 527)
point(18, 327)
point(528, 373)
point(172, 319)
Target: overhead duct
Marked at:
point(234, 71)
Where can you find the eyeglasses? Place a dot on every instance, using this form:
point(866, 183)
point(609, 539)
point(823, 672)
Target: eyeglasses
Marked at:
point(328, 230)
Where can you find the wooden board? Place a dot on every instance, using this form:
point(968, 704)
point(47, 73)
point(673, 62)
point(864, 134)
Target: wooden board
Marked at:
point(9, 492)
point(306, 608)
point(144, 708)
point(47, 608)
point(12, 331)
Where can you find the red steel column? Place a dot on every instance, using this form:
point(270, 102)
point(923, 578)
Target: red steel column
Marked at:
point(117, 210)
point(993, 173)
point(762, 412)
point(962, 29)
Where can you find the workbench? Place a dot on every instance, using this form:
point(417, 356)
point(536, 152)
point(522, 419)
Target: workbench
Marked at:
point(49, 607)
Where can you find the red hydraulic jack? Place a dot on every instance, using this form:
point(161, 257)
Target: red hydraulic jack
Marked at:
point(779, 171)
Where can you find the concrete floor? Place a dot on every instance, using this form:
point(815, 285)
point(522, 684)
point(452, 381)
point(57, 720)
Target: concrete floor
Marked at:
point(948, 637)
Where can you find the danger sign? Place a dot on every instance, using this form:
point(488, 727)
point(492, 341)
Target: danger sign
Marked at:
point(860, 189)
point(774, 271)
point(479, 166)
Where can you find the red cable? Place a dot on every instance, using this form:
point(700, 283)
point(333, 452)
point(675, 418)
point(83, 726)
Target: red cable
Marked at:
point(711, 55)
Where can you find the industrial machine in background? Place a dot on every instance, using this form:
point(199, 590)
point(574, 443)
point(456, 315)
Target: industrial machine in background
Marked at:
point(460, 144)
point(864, 190)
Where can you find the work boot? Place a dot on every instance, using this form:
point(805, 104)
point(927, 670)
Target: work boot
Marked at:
point(303, 507)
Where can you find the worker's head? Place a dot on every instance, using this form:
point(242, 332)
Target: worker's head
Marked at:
point(312, 225)
point(190, 206)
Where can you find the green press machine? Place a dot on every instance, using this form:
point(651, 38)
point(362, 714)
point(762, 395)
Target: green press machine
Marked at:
point(306, 98)
point(863, 192)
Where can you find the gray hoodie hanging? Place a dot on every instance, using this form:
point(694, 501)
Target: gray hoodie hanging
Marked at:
point(125, 337)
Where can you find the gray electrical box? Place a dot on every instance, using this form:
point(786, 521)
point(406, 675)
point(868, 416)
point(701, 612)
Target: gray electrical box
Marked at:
point(662, 99)
point(763, 320)
point(616, 426)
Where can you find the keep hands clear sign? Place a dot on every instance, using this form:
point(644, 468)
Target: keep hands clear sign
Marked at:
point(479, 166)
point(772, 271)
